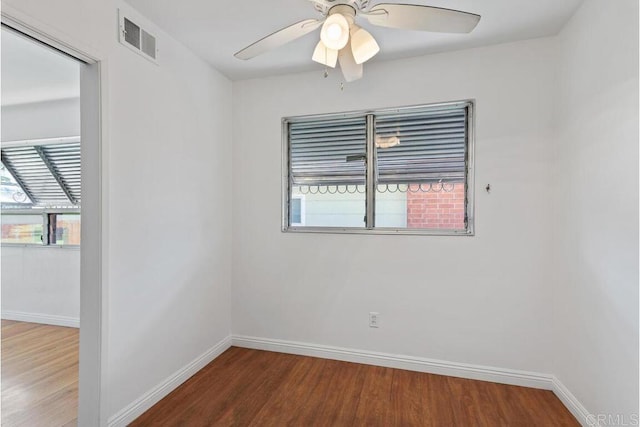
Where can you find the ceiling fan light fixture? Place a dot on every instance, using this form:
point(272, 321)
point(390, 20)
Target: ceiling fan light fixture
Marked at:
point(335, 32)
point(363, 44)
point(325, 56)
point(350, 70)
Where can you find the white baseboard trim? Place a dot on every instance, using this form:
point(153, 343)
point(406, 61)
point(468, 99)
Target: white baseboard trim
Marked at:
point(153, 396)
point(419, 364)
point(573, 404)
point(47, 319)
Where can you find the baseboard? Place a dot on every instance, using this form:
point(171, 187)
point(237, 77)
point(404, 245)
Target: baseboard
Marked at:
point(419, 364)
point(153, 396)
point(573, 404)
point(47, 319)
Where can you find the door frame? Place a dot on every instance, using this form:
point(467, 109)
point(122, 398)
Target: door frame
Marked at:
point(92, 394)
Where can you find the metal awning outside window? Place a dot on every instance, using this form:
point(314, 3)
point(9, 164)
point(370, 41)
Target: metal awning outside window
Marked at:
point(46, 171)
point(413, 146)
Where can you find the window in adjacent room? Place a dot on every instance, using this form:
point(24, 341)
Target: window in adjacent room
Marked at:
point(403, 170)
point(41, 192)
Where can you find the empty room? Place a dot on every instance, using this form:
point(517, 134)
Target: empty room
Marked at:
point(40, 205)
point(343, 212)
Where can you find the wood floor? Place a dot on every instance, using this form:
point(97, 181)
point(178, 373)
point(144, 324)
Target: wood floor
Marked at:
point(249, 387)
point(39, 375)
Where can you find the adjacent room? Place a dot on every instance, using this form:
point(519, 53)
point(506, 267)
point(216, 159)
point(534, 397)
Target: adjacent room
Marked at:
point(330, 212)
point(40, 206)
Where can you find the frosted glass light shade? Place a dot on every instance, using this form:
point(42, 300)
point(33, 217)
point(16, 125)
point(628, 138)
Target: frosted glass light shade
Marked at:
point(323, 55)
point(335, 32)
point(350, 70)
point(363, 45)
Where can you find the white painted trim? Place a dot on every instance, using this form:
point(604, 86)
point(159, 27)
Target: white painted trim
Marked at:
point(153, 396)
point(419, 364)
point(48, 34)
point(573, 404)
point(47, 319)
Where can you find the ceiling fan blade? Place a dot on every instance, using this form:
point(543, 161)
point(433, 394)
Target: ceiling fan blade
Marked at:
point(279, 38)
point(350, 69)
point(421, 18)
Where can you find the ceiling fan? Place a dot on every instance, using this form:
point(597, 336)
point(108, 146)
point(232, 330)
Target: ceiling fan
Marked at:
point(343, 41)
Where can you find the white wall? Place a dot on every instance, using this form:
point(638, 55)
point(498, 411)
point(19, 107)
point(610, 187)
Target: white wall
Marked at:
point(484, 299)
point(596, 192)
point(42, 283)
point(168, 271)
point(50, 119)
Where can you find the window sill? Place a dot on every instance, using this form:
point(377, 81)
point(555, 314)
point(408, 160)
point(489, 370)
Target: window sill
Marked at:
point(38, 246)
point(379, 231)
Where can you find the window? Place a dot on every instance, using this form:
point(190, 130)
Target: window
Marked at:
point(297, 209)
point(64, 229)
point(22, 229)
point(44, 228)
point(10, 192)
point(41, 192)
point(403, 170)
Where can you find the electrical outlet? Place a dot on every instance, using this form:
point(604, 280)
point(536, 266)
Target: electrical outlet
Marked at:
point(374, 319)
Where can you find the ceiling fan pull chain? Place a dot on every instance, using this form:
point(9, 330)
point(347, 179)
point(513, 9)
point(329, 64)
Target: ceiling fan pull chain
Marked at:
point(326, 67)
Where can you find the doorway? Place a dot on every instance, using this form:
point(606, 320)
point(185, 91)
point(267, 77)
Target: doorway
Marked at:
point(40, 207)
point(60, 128)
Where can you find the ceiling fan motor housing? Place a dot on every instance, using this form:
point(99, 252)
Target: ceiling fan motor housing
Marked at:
point(327, 7)
point(345, 10)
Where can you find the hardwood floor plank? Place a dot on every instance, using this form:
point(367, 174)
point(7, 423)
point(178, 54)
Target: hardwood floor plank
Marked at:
point(290, 404)
point(373, 405)
point(256, 388)
point(337, 394)
point(39, 375)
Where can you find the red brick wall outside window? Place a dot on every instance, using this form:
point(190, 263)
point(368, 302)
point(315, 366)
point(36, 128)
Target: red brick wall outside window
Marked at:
point(439, 210)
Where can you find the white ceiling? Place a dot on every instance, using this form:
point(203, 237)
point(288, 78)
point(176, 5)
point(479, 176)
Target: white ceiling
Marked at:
point(216, 29)
point(32, 72)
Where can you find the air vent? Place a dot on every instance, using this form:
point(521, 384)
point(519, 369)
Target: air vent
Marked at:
point(148, 45)
point(136, 38)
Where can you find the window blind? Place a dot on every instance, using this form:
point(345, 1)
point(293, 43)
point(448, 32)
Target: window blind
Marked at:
point(327, 151)
point(431, 149)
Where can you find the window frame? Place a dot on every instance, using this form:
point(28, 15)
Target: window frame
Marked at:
point(370, 202)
